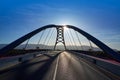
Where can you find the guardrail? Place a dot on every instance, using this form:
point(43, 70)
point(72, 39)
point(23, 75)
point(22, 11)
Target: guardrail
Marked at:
point(113, 67)
point(11, 61)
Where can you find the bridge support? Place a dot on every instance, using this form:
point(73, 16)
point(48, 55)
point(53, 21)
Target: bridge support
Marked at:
point(60, 31)
point(60, 36)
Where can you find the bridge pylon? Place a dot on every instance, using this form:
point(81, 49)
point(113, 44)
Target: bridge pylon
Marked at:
point(60, 36)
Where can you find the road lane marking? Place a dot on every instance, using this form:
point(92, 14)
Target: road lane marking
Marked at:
point(56, 67)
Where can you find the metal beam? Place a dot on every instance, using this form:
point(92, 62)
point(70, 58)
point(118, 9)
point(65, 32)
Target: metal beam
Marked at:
point(100, 44)
point(17, 42)
point(60, 36)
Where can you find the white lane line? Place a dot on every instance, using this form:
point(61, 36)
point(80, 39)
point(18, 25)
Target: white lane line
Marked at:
point(56, 67)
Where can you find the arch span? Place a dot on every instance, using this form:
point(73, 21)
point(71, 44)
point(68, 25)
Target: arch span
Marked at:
point(23, 38)
point(100, 44)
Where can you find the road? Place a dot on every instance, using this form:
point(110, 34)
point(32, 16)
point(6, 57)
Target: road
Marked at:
point(53, 66)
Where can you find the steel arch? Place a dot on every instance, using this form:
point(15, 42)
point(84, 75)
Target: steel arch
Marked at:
point(23, 38)
point(100, 44)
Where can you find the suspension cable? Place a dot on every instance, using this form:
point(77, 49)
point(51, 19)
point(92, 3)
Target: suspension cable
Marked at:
point(90, 44)
point(26, 44)
point(79, 40)
point(40, 37)
point(49, 38)
point(69, 42)
point(55, 39)
point(45, 39)
point(73, 39)
point(49, 33)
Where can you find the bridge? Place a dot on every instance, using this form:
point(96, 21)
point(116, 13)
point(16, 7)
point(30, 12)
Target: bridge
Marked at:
point(58, 54)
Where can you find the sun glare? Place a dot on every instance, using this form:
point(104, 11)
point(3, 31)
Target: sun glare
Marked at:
point(65, 27)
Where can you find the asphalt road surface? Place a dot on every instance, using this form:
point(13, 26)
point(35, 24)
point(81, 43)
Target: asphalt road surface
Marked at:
point(53, 66)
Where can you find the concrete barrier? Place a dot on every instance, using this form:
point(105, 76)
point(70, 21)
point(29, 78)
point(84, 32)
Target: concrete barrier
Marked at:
point(111, 66)
point(11, 61)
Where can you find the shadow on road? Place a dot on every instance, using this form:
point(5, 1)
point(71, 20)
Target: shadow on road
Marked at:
point(22, 71)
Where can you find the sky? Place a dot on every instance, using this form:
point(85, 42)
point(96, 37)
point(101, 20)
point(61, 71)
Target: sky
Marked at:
point(100, 18)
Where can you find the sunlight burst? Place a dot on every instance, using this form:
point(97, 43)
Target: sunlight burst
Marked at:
point(65, 27)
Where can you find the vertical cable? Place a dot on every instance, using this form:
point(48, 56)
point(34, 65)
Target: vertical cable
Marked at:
point(90, 45)
point(26, 44)
point(69, 42)
point(45, 39)
point(50, 34)
point(79, 40)
point(73, 40)
point(40, 38)
point(50, 37)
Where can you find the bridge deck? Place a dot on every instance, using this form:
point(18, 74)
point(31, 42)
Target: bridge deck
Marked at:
point(55, 66)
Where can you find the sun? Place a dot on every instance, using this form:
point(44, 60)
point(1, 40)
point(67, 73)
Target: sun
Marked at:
point(65, 27)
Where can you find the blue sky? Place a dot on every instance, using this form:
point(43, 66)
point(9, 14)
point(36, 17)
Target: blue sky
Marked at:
point(101, 18)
